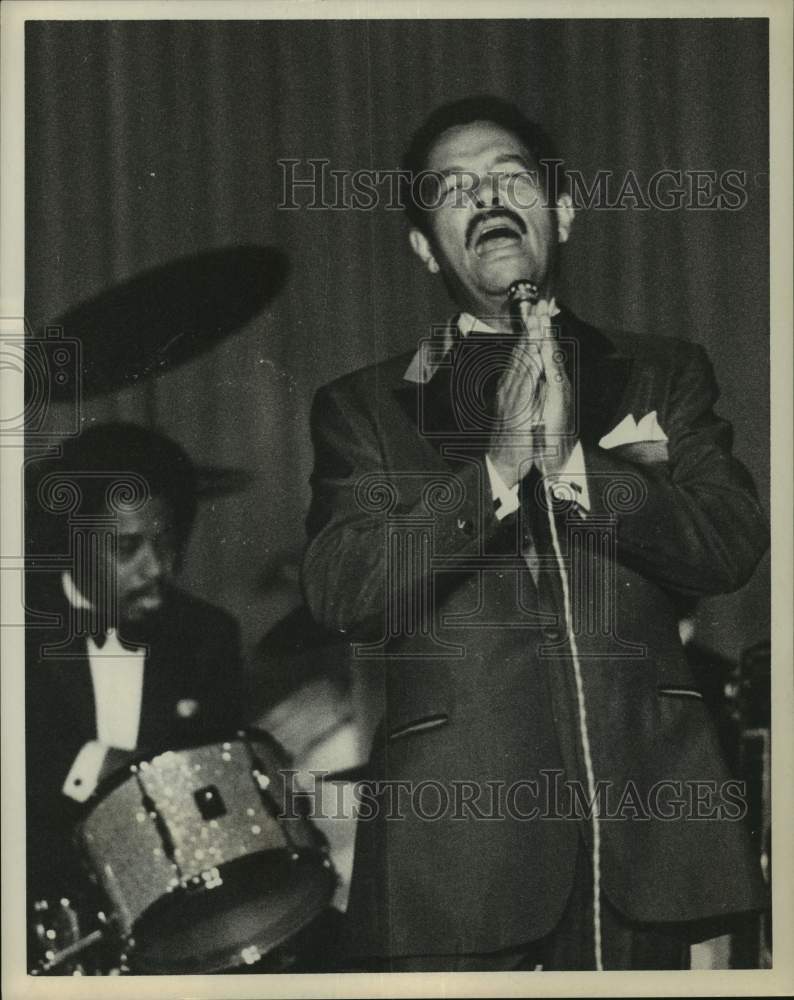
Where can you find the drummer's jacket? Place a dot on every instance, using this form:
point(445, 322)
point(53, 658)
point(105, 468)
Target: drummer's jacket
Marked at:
point(483, 693)
point(178, 685)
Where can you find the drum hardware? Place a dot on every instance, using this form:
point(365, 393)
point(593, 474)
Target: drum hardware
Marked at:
point(263, 787)
point(57, 930)
point(160, 825)
point(57, 958)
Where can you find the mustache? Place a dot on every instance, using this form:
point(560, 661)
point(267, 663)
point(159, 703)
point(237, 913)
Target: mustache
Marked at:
point(152, 590)
point(493, 213)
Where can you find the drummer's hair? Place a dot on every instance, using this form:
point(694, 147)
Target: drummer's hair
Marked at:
point(120, 459)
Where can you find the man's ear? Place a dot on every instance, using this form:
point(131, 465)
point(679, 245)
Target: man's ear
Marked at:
point(421, 247)
point(565, 217)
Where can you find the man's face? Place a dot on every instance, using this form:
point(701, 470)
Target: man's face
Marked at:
point(493, 226)
point(145, 559)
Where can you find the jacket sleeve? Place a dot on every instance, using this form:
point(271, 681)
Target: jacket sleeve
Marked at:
point(345, 574)
point(694, 523)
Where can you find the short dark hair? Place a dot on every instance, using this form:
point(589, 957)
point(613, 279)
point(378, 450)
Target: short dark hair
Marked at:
point(482, 107)
point(127, 449)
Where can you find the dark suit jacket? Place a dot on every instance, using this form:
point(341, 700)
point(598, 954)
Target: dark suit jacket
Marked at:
point(498, 703)
point(194, 656)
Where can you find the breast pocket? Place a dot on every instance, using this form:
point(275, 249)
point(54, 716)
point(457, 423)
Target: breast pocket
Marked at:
point(417, 699)
point(422, 725)
point(680, 691)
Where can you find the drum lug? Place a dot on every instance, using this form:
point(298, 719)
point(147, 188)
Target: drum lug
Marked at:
point(261, 779)
point(250, 955)
point(212, 878)
point(128, 945)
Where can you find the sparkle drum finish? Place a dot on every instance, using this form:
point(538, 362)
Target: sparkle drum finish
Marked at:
point(205, 858)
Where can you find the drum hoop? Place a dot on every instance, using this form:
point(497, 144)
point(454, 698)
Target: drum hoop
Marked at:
point(120, 776)
point(319, 860)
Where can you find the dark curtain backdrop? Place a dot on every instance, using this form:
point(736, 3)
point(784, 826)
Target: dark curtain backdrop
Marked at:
point(147, 141)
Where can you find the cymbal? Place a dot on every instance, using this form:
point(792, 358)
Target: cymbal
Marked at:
point(163, 317)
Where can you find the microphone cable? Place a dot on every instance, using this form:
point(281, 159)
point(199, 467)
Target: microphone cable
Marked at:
point(524, 295)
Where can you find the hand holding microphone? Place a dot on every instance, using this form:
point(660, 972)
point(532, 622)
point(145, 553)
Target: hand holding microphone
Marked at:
point(534, 397)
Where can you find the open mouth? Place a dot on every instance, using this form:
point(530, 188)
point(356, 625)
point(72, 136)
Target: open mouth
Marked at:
point(497, 234)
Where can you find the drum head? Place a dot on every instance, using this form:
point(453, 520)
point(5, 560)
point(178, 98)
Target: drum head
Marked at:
point(263, 899)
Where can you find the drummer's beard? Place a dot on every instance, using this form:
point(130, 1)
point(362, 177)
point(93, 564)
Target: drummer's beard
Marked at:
point(141, 615)
point(136, 617)
point(142, 604)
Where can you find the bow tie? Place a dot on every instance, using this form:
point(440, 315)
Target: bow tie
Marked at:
point(98, 640)
point(110, 643)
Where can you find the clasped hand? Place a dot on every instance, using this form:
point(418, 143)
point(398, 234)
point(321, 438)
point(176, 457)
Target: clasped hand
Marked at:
point(534, 405)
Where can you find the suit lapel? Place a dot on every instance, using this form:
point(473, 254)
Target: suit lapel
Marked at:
point(76, 694)
point(424, 394)
point(598, 373)
point(61, 691)
point(171, 671)
point(431, 409)
point(58, 669)
point(159, 687)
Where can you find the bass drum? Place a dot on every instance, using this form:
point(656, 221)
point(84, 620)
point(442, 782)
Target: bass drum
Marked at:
point(205, 857)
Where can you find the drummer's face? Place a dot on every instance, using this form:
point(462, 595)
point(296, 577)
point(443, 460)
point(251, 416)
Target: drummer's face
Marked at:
point(145, 557)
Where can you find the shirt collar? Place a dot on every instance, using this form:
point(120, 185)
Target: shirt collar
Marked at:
point(467, 324)
point(73, 595)
point(77, 600)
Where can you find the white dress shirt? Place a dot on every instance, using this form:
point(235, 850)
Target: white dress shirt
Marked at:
point(117, 681)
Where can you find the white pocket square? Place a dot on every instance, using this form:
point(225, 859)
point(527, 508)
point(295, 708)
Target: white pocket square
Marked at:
point(630, 431)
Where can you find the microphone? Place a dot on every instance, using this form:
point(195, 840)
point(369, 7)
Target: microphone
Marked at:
point(522, 295)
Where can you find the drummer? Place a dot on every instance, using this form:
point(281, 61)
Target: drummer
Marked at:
point(120, 662)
